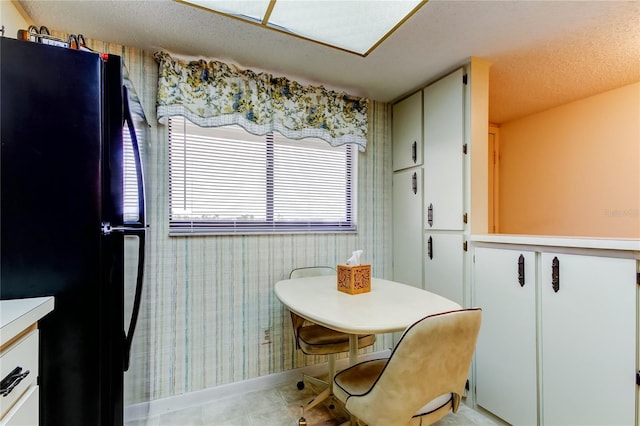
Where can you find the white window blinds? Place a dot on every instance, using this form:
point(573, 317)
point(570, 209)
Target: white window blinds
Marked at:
point(226, 180)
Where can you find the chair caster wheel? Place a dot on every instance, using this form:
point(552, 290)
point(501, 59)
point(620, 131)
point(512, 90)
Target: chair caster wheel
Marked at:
point(300, 385)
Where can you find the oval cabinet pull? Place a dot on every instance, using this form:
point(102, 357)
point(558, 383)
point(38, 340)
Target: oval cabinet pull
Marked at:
point(414, 152)
point(430, 215)
point(430, 248)
point(555, 274)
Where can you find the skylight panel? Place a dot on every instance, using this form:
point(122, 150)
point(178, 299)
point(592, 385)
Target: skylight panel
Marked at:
point(253, 9)
point(356, 26)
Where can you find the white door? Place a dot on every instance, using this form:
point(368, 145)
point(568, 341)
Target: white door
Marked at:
point(506, 348)
point(407, 227)
point(407, 132)
point(588, 329)
point(443, 265)
point(443, 155)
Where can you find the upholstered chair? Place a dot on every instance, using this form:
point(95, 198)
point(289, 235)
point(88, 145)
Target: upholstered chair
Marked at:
point(424, 378)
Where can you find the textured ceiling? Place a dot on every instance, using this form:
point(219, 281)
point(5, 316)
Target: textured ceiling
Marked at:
point(543, 53)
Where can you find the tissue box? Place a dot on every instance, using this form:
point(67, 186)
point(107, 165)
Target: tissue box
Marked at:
point(354, 279)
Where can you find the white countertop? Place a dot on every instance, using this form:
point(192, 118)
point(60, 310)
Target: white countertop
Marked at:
point(624, 244)
point(18, 314)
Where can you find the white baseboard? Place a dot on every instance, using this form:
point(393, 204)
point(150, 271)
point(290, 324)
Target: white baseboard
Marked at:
point(158, 407)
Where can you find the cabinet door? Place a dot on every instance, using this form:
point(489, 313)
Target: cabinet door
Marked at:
point(443, 265)
point(443, 156)
point(407, 132)
point(26, 411)
point(407, 227)
point(506, 348)
point(588, 339)
point(22, 354)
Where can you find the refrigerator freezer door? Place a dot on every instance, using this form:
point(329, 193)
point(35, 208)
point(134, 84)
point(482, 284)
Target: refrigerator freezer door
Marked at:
point(61, 177)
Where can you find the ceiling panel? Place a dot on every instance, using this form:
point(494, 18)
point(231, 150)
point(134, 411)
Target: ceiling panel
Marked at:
point(543, 53)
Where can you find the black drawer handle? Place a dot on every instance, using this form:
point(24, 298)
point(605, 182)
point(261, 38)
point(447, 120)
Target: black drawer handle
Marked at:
point(555, 274)
point(12, 380)
point(414, 183)
point(521, 270)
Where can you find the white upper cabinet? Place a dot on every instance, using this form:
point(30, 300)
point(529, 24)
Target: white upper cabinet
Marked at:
point(443, 152)
point(407, 225)
point(444, 265)
point(407, 132)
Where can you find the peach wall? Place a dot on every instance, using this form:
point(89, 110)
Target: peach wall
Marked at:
point(574, 170)
point(478, 104)
point(13, 17)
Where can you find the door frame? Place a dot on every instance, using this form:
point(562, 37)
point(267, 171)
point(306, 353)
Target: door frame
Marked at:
point(493, 167)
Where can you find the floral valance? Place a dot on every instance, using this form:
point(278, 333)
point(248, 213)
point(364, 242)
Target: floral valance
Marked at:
point(214, 94)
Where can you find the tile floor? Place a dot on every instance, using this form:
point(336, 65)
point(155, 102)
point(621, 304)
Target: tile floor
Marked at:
point(279, 406)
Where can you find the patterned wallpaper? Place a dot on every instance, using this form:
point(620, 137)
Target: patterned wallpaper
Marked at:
point(208, 299)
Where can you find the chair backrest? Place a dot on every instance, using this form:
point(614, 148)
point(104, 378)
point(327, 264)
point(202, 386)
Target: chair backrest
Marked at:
point(312, 271)
point(309, 271)
point(431, 359)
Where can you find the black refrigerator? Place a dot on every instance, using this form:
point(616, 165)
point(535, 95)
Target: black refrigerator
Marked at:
point(62, 231)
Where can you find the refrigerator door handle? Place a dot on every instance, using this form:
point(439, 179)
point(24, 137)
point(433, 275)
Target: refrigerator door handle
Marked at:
point(137, 158)
point(141, 233)
point(134, 228)
point(108, 229)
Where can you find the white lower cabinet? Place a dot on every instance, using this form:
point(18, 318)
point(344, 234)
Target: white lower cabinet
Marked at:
point(19, 372)
point(25, 412)
point(19, 359)
point(560, 349)
point(506, 348)
point(588, 340)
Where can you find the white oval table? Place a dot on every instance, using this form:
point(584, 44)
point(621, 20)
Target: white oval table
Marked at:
point(388, 307)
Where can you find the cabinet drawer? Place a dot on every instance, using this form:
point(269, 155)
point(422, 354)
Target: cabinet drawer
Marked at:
point(25, 412)
point(24, 355)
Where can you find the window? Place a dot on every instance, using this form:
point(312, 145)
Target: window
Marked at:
point(226, 180)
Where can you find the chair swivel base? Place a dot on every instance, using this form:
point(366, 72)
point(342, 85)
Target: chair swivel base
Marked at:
point(327, 387)
point(326, 393)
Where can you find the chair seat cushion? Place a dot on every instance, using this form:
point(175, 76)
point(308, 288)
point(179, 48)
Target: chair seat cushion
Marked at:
point(435, 404)
point(359, 379)
point(318, 340)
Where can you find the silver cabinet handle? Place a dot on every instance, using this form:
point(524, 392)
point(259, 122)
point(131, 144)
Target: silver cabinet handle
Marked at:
point(12, 380)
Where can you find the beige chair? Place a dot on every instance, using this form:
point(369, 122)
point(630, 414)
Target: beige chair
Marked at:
point(423, 379)
point(314, 339)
